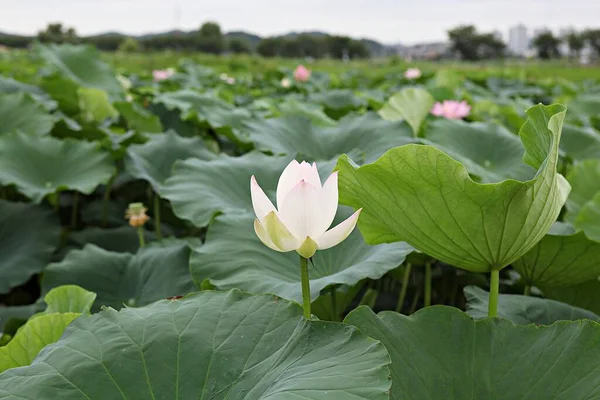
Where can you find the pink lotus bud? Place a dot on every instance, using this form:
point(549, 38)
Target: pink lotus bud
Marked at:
point(162, 74)
point(412, 73)
point(301, 73)
point(305, 210)
point(451, 109)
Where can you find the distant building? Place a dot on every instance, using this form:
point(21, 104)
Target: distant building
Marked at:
point(518, 41)
point(425, 51)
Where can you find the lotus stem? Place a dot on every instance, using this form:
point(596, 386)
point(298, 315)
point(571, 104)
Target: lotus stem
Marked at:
point(494, 289)
point(527, 291)
point(427, 300)
point(140, 231)
point(404, 288)
point(305, 287)
point(106, 200)
point(157, 216)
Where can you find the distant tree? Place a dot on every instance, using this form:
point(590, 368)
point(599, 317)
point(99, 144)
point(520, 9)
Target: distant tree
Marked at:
point(471, 45)
point(129, 45)
point(358, 49)
point(310, 46)
point(269, 47)
point(546, 45)
point(592, 36)
point(576, 42)
point(55, 33)
point(239, 46)
point(289, 48)
point(210, 38)
point(464, 41)
point(489, 46)
point(337, 46)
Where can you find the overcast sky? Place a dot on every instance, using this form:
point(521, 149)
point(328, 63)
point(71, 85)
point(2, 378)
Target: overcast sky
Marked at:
point(389, 21)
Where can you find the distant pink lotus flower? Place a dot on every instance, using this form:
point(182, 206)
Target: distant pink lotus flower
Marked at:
point(301, 74)
point(412, 73)
point(451, 109)
point(162, 74)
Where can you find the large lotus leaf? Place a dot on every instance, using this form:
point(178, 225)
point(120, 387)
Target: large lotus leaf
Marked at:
point(585, 106)
point(234, 257)
point(41, 166)
point(580, 143)
point(561, 258)
point(82, 65)
point(523, 310)
point(487, 150)
point(64, 91)
point(153, 161)
point(585, 295)
point(9, 85)
point(209, 345)
point(121, 278)
point(585, 184)
point(29, 235)
point(313, 112)
point(420, 195)
point(442, 353)
point(338, 102)
point(65, 303)
point(95, 105)
point(366, 134)
point(33, 337)
point(589, 218)
point(219, 114)
point(20, 112)
point(410, 104)
point(198, 190)
point(138, 118)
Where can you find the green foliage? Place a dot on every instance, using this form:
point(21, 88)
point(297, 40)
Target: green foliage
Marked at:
point(546, 45)
point(472, 46)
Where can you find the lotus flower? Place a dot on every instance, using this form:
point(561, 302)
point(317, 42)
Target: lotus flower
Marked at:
point(162, 74)
point(301, 73)
point(305, 210)
point(451, 109)
point(286, 83)
point(412, 73)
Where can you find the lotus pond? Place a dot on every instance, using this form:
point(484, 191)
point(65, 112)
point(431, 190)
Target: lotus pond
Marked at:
point(160, 237)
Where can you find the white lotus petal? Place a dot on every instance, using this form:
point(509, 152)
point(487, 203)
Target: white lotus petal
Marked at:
point(289, 178)
point(300, 210)
point(337, 234)
point(310, 174)
point(328, 204)
point(260, 202)
point(264, 236)
point(279, 234)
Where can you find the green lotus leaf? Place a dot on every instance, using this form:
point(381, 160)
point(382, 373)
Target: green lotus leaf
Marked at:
point(42, 166)
point(488, 151)
point(199, 190)
point(95, 105)
point(368, 135)
point(442, 353)
point(411, 105)
point(209, 345)
point(234, 257)
point(123, 239)
point(81, 64)
point(121, 278)
point(420, 195)
point(153, 161)
point(583, 205)
point(524, 310)
point(29, 236)
point(138, 118)
point(69, 299)
point(588, 219)
point(20, 112)
point(584, 295)
point(33, 337)
point(561, 258)
point(314, 112)
point(580, 143)
point(338, 102)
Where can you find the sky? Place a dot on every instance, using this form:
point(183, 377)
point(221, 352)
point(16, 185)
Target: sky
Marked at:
point(388, 21)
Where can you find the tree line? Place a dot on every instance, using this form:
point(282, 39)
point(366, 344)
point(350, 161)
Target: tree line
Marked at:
point(471, 45)
point(207, 39)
